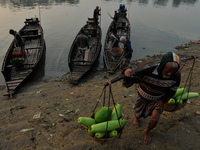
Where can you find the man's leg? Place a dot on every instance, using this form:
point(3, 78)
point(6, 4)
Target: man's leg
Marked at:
point(138, 110)
point(152, 124)
point(136, 122)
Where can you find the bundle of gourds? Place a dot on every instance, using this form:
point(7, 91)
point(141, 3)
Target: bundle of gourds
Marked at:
point(105, 120)
point(181, 96)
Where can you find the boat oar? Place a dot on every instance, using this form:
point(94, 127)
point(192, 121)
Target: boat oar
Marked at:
point(111, 17)
point(138, 70)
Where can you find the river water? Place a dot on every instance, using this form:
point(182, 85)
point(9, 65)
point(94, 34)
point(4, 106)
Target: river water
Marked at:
point(157, 26)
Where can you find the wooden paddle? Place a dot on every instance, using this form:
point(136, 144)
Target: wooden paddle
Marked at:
point(112, 18)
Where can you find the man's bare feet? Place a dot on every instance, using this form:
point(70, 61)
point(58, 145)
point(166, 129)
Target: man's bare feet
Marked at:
point(136, 122)
point(147, 138)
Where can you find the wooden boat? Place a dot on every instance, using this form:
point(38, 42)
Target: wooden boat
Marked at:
point(123, 29)
point(15, 76)
point(78, 68)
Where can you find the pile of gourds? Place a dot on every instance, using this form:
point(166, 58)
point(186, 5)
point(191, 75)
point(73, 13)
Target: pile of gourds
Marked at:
point(105, 119)
point(181, 96)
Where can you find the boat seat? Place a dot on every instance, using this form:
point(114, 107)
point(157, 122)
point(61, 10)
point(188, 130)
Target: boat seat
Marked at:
point(13, 82)
point(80, 61)
point(91, 28)
point(83, 64)
point(29, 48)
point(31, 21)
point(90, 18)
point(30, 30)
point(90, 22)
point(30, 36)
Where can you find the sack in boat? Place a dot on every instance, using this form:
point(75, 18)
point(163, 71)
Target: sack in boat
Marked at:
point(116, 51)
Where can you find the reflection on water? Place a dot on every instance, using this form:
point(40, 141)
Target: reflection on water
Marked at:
point(177, 3)
point(157, 3)
point(33, 3)
point(157, 26)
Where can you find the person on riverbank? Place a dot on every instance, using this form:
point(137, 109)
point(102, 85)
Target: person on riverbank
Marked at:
point(18, 41)
point(127, 52)
point(157, 85)
point(82, 44)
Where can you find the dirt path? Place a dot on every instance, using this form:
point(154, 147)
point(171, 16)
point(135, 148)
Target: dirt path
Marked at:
point(60, 105)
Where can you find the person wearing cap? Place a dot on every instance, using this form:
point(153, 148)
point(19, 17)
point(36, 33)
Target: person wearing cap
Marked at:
point(115, 19)
point(18, 41)
point(157, 84)
point(127, 52)
point(96, 15)
point(82, 44)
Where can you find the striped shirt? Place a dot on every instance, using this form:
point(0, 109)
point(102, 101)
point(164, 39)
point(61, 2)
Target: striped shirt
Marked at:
point(155, 87)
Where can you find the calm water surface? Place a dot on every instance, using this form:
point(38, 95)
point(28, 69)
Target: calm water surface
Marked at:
point(157, 26)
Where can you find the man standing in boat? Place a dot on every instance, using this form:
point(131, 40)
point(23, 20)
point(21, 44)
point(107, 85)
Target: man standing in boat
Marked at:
point(18, 41)
point(82, 44)
point(96, 15)
point(127, 52)
point(115, 19)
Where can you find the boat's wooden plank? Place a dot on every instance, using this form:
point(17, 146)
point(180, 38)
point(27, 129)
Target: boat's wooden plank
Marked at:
point(90, 21)
point(81, 69)
point(91, 28)
point(76, 75)
point(14, 81)
point(30, 29)
point(30, 36)
point(30, 21)
point(13, 85)
point(11, 88)
point(18, 78)
point(30, 48)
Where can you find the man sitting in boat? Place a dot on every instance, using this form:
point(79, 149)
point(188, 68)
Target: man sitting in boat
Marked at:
point(82, 43)
point(18, 41)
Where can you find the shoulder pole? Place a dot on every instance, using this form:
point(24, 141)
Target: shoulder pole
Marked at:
point(137, 70)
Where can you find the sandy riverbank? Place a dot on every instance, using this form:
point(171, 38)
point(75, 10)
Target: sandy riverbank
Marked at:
point(60, 105)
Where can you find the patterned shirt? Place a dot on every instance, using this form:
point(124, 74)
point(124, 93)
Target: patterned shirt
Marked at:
point(155, 87)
